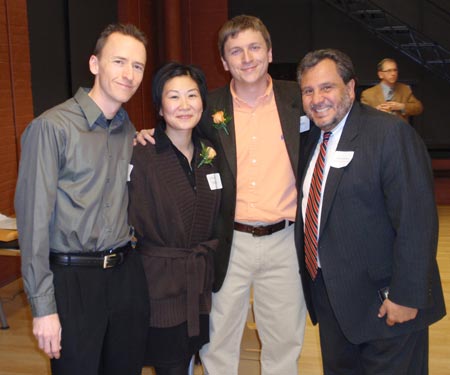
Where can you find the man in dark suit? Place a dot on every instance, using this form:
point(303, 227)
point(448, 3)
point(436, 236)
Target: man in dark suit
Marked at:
point(253, 124)
point(368, 252)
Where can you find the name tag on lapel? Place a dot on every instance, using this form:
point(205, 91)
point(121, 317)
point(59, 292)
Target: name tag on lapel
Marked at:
point(304, 124)
point(214, 181)
point(130, 168)
point(341, 159)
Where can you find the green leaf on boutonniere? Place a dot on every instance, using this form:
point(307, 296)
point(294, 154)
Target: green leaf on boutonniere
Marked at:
point(221, 120)
point(207, 155)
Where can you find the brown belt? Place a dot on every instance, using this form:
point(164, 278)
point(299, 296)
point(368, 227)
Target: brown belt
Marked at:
point(262, 230)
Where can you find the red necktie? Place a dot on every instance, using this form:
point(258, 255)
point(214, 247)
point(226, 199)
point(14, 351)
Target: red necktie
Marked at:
point(312, 209)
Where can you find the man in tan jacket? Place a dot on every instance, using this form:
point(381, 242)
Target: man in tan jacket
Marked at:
point(391, 96)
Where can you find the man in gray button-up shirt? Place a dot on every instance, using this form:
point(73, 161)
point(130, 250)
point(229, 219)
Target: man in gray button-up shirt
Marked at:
point(71, 204)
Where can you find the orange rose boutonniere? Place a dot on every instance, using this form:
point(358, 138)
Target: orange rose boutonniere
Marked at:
point(220, 120)
point(207, 155)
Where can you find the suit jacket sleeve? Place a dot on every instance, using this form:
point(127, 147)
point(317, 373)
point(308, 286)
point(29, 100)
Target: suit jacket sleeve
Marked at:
point(407, 183)
point(413, 106)
point(364, 99)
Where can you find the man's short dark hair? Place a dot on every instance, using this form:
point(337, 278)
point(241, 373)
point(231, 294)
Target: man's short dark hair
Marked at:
point(241, 23)
point(124, 29)
point(343, 62)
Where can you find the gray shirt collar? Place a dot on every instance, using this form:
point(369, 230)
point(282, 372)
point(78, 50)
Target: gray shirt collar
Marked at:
point(94, 114)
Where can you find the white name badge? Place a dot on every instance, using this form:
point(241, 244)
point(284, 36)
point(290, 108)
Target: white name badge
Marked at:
point(341, 159)
point(214, 181)
point(304, 124)
point(130, 168)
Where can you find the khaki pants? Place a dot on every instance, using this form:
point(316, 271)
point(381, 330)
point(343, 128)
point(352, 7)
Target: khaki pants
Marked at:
point(270, 265)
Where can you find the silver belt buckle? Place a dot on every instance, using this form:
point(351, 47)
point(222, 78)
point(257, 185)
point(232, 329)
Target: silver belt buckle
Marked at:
point(107, 260)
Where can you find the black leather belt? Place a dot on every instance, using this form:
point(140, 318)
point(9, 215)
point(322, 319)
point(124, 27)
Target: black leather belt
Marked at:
point(103, 259)
point(262, 230)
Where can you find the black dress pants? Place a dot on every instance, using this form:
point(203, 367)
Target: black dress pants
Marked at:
point(104, 318)
point(400, 355)
point(181, 369)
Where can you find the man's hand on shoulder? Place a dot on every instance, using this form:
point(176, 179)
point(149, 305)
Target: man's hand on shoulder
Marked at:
point(396, 313)
point(143, 136)
point(47, 330)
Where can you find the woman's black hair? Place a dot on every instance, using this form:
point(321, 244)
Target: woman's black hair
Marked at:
point(174, 69)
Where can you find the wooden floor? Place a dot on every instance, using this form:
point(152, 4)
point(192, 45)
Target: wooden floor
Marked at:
point(19, 355)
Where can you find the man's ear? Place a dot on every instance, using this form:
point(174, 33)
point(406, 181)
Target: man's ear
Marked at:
point(93, 64)
point(351, 88)
point(225, 65)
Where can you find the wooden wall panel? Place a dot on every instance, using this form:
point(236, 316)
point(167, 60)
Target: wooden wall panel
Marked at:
point(15, 94)
point(205, 19)
point(141, 13)
point(20, 64)
point(197, 32)
point(7, 136)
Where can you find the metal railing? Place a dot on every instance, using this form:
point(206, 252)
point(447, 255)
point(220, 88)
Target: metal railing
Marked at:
point(398, 34)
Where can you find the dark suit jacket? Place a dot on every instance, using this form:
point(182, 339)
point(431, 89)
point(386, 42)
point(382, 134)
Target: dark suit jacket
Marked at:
point(379, 227)
point(287, 97)
point(373, 96)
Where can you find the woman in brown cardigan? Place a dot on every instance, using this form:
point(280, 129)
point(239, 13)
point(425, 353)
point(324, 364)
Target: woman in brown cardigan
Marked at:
point(174, 198)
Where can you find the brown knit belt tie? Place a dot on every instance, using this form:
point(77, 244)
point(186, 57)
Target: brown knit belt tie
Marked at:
point(195, 276)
